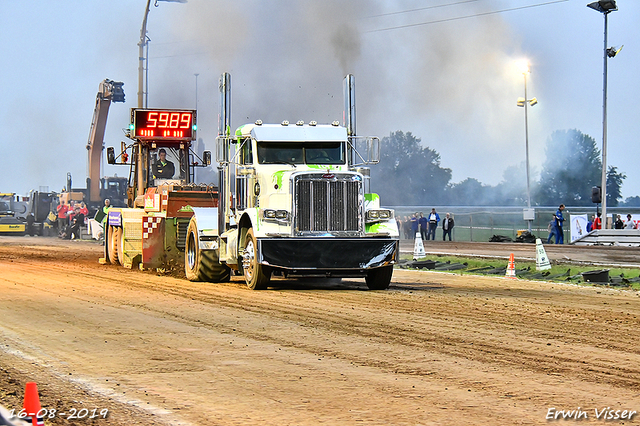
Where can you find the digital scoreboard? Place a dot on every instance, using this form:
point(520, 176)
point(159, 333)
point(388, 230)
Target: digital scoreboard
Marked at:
point(163, 124)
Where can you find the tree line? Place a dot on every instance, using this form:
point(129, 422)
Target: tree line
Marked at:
point(573, 166)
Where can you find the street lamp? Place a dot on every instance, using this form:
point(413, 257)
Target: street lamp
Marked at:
point(144, 41)
point(605, 7)
point(523, 102)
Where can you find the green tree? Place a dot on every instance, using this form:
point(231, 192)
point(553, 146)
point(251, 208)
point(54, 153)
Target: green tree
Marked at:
point(614, 186)
point(571, 168)
point(631, 201)
point(408, 173)
point(470, 192)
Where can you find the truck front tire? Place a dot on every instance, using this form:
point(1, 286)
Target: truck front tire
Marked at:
point(256, 275)
point(379, 278)
point(202, 265)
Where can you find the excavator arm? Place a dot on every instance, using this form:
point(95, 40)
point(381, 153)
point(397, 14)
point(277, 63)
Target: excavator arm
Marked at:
point(108, 91)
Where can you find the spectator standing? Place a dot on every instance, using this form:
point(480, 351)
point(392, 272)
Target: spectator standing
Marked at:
point(72, 212)
point(62, 210)
point(423, 222)
point(630, 224)
point(597, 223)
point(414, 224)
point(619, 223)
point(447, 226)
point(552, 230)
point(590, 224)
point(434, 219)
point(559, 221)
point(83, 209)
point(407, 228)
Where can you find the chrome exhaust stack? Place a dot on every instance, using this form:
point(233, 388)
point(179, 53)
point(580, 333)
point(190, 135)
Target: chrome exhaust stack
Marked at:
point(222, 151)
point(349, 121)
point(349, 114)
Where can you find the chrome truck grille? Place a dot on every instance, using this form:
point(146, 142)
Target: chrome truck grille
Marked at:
point(328, 203)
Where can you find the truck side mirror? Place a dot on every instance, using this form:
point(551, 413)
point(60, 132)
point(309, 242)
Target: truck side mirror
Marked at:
point(373, 145)
point(366, 150)
point(206, 157)
point(111, 156)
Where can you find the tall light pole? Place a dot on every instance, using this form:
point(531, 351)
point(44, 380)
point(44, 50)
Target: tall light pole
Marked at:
point(605, 7)
point(141, 45)
point(196, 74)
point(523, 102)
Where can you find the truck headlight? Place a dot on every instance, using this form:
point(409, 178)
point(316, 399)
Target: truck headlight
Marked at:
point(275, 215)
point(378, 215)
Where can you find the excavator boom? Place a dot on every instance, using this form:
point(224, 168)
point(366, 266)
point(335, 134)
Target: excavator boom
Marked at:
point(109, 91)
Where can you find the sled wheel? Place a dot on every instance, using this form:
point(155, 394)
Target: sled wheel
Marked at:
point(114, 235)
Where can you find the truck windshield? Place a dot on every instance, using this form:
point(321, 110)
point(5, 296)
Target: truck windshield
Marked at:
point(301, 153)
point(167, 165)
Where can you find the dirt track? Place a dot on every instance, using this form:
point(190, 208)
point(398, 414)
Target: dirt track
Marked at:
point(434, 349)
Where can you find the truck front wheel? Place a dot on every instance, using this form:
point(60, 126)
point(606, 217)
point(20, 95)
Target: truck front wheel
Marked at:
point(256, 275)
point(202, 265)
point(379, 278)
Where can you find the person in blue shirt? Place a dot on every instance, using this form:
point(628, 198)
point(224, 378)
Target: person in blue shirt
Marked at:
point(423, 222)
point(590, 224)
point(559, 221)
point(414, 224)
point(434, 219)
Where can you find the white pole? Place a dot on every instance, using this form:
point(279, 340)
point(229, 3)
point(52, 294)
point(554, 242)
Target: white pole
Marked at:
point(604, 130)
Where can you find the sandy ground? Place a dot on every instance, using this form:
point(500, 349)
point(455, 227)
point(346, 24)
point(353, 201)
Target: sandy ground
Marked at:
point(435, 349)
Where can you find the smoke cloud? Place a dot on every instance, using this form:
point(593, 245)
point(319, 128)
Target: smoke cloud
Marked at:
point(450, 84)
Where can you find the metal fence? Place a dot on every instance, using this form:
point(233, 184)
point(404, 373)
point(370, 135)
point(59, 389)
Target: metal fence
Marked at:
point(481, 223)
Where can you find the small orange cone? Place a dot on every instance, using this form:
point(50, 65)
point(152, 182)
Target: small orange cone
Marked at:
point(511, 269)
point(31, 404)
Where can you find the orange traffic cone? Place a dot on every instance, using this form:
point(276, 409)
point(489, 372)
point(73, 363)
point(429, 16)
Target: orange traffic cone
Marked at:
point(511, 269)
point(32, 405)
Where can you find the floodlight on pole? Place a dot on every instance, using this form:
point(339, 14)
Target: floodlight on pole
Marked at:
point(605, 7)
point(144, 42)
point(523, 102)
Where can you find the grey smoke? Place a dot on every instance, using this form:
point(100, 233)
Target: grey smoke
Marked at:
point(446, 83)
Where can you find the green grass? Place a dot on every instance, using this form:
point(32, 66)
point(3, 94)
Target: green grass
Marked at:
point(556, 269)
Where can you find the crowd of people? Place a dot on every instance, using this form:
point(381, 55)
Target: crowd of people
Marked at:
point(425, 226)
point(595, 222)
point(71, 217)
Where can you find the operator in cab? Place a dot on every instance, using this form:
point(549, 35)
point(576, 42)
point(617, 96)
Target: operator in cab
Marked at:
point(163, 168)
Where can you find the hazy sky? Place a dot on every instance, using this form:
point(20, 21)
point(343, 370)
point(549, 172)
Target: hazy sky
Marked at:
point(451, 82)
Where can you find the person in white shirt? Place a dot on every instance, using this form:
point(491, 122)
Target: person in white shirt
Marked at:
point(630, 224)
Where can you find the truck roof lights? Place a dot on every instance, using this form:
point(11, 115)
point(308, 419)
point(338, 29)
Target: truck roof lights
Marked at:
point(285, 123)
point(335, 123)
point(258, 123)
point(313, 123)
point(299, 123)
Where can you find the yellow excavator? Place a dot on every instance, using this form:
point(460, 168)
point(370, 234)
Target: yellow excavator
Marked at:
point(99, 188)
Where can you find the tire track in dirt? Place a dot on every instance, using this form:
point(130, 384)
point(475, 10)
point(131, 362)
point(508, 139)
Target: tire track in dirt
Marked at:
point(437, 333)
